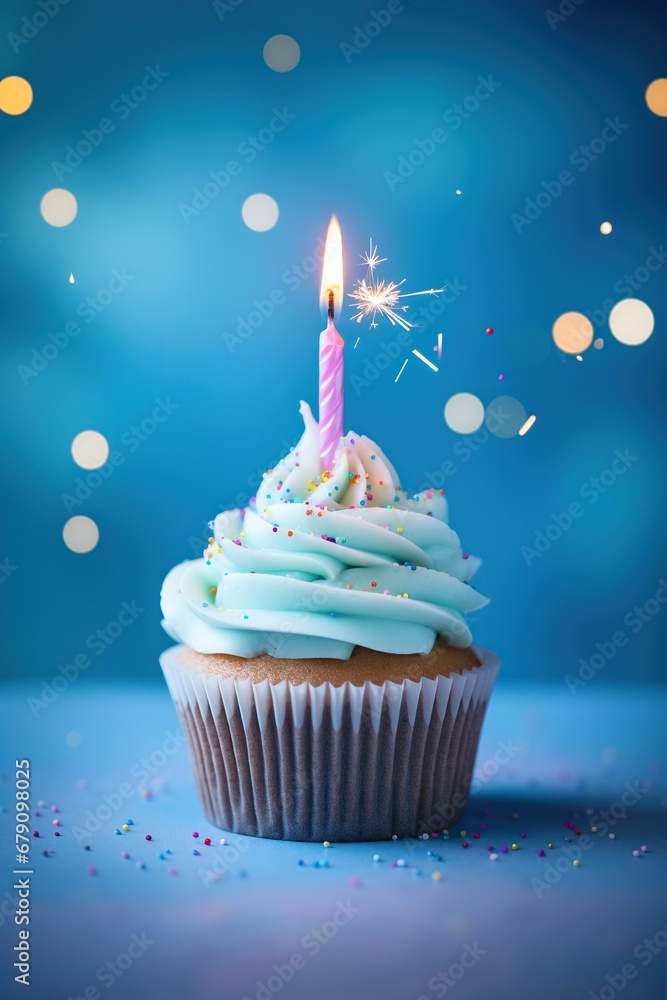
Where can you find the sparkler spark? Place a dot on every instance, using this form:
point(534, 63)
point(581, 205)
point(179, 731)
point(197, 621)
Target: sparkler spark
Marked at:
point(371, 259)
point(373, 297)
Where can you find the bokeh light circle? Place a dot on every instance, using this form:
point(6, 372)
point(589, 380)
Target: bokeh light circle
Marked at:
point(464, 413)
point(573, 332)
point(282, 53)
point(73, 738)
point(15, 95)
point(606, 228)
point(81, 534)
point(90, 449)
point(505, 416)
point(260, 212)
point(598, 343)
point(656, 97)
point(631, 321)
point(58, 207)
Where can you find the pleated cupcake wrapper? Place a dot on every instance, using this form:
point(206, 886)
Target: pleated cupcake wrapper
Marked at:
point(314, 763)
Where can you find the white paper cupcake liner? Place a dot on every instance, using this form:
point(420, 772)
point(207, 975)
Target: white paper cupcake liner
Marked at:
point(299, 762)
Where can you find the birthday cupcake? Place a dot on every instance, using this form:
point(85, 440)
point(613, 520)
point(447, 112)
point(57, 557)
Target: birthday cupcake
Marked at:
point(325, 678)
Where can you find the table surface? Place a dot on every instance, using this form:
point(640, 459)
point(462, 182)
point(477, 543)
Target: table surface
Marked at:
point(246, 920)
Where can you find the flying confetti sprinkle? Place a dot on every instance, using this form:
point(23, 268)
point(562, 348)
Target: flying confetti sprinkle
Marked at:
point(401, 371)
point(373, 297)
point(425, 360)
point(528, 424)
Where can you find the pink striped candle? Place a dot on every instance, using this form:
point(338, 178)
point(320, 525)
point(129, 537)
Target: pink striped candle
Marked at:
point(331, 349)
point(331, 391)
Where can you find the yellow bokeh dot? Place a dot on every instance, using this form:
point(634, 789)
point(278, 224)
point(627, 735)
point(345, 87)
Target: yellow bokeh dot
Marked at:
point(573, 332)
point(605, 228)
point(15, 95)
point(656, 97)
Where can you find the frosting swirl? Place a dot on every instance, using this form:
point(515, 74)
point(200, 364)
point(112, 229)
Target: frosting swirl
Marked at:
point(321, 562)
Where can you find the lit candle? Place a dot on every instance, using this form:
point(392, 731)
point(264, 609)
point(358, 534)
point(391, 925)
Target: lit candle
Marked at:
point(331, 349)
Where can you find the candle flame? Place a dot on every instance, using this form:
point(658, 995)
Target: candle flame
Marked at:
point(332, 268)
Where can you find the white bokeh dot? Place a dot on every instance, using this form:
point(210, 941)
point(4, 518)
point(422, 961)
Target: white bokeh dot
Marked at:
point(260, 212)
point(58, 207)
point(90, 449)
point(282, 53)
point(81, 534)
point(464, 413)
point(505, 416)
point(598, 344)
point(73, 739)
point(631, 321)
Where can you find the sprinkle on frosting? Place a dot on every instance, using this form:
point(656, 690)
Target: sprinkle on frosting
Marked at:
point(269, 584)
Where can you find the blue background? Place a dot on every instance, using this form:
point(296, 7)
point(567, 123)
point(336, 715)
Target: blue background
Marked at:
point(548, 929)
point(163, 337)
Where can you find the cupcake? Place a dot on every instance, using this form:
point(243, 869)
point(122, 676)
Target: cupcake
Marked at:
point(324, 674)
